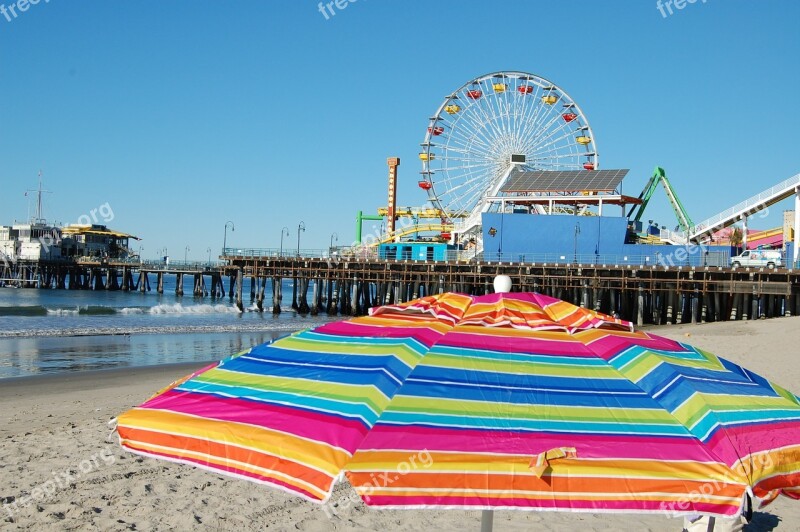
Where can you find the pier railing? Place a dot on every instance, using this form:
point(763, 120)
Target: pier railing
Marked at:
point(160, 265)
point(285, 253)
point(269, 252)
point(670, 256)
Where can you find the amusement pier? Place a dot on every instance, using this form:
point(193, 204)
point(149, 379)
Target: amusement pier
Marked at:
point(511, 184)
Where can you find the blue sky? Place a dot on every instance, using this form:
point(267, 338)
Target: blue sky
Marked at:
point(182, 115)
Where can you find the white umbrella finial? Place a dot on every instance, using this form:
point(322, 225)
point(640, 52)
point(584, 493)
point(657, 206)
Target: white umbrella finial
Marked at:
point(502, 284)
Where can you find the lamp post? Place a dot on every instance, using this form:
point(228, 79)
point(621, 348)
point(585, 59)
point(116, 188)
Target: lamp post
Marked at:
point(577, 232)
point(334, 236)
point(186, 254)
point(284, 232)
point(209, 256)
point(301, 227)
point(141, 248)
point(225, 238)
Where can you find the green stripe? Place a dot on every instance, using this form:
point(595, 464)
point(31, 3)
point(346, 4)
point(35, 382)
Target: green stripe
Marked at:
point(700, 405)
point(560, 360)
point(543, 412)
point(366, 394)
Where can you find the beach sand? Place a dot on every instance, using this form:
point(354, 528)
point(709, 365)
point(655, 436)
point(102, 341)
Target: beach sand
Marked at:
point(58, 470)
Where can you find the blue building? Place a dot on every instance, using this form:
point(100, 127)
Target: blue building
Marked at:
point(584, 240)
point(419, 251)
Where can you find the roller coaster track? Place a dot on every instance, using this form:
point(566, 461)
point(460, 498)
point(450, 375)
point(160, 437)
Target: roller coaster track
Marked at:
point(388, 238)
point(771, 196)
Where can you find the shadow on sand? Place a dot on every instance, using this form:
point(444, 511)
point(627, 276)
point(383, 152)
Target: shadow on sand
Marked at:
point(763, 522)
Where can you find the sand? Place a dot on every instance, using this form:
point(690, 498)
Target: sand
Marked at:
point(58, 471)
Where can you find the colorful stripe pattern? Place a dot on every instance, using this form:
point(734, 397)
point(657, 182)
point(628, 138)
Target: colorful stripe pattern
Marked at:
point(290, 413)
point(501, 401)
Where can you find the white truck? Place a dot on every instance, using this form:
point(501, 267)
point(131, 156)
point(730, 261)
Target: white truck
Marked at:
point(758, 257)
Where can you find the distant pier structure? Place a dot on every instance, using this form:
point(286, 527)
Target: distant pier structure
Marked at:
point(199, 279)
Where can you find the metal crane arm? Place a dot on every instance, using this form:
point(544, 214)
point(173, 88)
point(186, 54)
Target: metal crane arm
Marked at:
point(660, 177)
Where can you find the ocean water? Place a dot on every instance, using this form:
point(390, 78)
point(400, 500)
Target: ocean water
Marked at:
point(52, 331)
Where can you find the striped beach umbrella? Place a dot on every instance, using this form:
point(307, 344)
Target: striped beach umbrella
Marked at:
point(504, 401)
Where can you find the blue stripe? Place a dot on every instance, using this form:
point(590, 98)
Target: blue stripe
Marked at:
point(479, 377)
point(682, 390)
point(345, 410)
point(531, 397)
point(665, 372)
point(390, 363)
point(624, 357)
point(369, 377)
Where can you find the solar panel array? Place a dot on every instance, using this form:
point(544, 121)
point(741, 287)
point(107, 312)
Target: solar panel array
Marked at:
point(564, 181)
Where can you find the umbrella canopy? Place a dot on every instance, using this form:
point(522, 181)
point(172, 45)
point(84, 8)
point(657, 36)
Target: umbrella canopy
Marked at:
point(500, 401)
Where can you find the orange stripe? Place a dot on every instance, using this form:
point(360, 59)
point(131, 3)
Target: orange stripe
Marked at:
point(516, 482)
point(779, 482)
point(221, 454)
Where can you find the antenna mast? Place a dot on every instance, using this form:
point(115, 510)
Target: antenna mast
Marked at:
point(39, 218)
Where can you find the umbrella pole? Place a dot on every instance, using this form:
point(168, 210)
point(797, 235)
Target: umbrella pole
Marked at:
point(487, 520)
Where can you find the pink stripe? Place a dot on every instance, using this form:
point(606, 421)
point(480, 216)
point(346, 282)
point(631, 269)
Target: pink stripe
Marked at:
point(334, 430)
point(610, 345)
point(345, 328)
point(588, 446)
point(622, 506)
point(753, 438)
point(566, 345)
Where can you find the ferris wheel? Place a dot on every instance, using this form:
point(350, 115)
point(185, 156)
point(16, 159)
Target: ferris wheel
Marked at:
point(490, 125)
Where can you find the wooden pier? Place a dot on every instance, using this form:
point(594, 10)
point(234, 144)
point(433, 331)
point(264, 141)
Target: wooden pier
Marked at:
point(127, 276)
point(642, 294)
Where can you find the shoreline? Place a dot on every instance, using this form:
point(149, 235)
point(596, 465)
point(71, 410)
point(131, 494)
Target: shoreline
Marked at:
point(51, 355)
point(82, 380)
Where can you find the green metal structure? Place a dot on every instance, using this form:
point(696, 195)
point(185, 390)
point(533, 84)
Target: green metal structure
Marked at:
point(360, 217)
point(660, 177)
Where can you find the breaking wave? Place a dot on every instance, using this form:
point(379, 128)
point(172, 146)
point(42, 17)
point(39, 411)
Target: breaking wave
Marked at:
point(99, 310)
point(177, 308)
